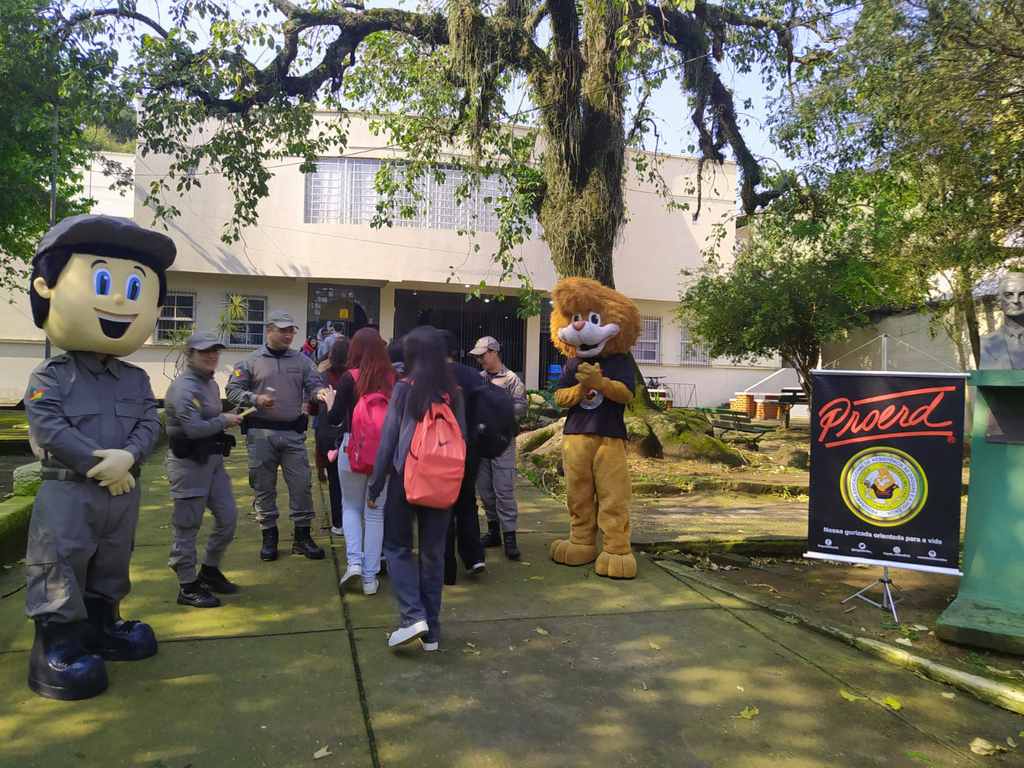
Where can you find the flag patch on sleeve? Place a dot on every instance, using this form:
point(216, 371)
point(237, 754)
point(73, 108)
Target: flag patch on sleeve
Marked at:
point(195, 402)
point(35, 394)
point(239, 370)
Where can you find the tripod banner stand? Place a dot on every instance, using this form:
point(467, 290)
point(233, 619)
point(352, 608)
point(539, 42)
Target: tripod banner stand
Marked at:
point(886, 462)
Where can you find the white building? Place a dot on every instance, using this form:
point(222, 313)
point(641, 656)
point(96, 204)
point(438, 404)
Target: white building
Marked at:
point(315, 255)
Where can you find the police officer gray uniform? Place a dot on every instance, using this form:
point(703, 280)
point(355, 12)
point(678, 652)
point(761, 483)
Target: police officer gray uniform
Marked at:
point(496, 479)
point(195, 470)
point(81, 537)
point(276, 436)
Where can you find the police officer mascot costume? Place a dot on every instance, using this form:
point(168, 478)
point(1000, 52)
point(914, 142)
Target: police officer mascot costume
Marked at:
point(97, 286)
point(273, 379)
point(195, 469)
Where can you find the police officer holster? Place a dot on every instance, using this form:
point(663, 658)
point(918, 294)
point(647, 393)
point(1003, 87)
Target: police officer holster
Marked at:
point(202, 449)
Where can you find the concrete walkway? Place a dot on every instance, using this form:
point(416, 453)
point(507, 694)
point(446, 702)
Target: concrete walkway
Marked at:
point(541, 665)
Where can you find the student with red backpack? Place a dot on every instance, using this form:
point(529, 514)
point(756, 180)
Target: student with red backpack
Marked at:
point(359, 408)
point(422, 458)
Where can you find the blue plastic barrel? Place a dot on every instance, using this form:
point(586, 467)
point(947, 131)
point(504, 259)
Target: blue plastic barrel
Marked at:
point(554, 372)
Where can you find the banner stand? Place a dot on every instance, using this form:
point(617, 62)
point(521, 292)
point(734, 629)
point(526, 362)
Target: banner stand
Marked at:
point(888, 603)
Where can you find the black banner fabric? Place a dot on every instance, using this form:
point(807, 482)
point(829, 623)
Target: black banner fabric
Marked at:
point(886, 459)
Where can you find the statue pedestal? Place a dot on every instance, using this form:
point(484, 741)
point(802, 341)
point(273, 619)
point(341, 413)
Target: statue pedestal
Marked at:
point(989, 608)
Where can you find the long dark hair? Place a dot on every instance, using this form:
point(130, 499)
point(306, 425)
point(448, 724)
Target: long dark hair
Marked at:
point(427, 369)
point(338, 355)
point(369, 354)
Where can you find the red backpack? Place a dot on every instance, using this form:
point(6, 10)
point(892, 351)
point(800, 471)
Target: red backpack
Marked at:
point(437, 459)
point(367, 424)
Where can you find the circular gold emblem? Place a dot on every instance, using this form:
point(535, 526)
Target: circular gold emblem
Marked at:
point(884, 486)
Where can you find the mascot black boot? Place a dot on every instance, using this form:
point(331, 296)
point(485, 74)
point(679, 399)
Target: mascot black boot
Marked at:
point(60, 668)
point(113, 638)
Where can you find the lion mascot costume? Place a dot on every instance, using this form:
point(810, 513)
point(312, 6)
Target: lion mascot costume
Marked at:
point(595, 327)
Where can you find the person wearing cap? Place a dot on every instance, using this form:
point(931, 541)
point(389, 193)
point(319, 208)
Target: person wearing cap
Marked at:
point(496, 479)
point(195, 471)
point(96, 289)
point(273, 379)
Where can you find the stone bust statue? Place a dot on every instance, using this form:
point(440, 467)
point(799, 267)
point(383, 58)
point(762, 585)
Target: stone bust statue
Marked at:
point(1003, 348)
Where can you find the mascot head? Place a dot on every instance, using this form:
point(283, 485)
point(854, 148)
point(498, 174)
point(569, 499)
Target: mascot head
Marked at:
point(591, 320)
point(98, 283)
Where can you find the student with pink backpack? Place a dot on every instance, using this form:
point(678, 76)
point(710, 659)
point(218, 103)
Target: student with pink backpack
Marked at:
point(359, 406)
point(422, 458)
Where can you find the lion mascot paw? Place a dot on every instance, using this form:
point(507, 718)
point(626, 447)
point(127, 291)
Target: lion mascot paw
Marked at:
point(595, 327)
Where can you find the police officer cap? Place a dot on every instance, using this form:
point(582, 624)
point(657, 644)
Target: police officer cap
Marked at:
point(202, 341)
point(282, 319)
point(76, 232)
point(483, 344)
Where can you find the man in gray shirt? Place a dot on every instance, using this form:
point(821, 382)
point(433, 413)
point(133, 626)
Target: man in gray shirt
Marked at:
point(496, 480)
point(273, 379)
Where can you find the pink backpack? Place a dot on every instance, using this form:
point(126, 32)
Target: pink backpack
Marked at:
point(437, 459)
point(367, 424)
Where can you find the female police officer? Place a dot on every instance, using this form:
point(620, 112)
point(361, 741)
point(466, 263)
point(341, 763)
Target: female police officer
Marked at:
point(195, 469)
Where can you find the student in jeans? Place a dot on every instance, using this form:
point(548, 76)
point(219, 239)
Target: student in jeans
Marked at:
point(367, 353)
point(327, 436)
point(417, 580)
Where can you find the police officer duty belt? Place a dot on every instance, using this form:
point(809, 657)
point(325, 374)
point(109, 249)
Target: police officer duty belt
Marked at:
point(298, 425)
point(70, 476)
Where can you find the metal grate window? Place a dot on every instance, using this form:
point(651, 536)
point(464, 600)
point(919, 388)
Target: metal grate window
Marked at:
point(341, 191)
point(179, 312)
point(648, 347)
point(252, 330)
point(691, 351)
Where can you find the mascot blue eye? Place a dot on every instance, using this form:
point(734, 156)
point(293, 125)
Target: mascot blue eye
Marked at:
point(102, 282)
point(133, 287)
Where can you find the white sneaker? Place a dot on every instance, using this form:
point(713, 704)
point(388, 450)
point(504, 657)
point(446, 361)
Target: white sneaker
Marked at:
point(404, 635)
point(473, 570)
point(429, 646)
point(353, 572)
point(370, 587)
point(337, 531)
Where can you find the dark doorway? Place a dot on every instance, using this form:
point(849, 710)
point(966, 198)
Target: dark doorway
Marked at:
point(549, 354)
point(355, 306)
point(468, 320)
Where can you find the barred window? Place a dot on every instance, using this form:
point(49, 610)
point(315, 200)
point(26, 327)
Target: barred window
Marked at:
point(648, 347)
point(341, 191)
point(691, 351)
point(252, 330)
point(178, 313)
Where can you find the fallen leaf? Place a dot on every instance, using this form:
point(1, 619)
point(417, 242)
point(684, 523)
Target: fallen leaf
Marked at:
point(982, 746)
point(536, 578)
point(474, 651)
point(471, 645)
point(523, 562)
point(322, 752)
point(850, 696)
point(891, 702)
point(645, 688)
point(739, 688)
point(791, 620)
point(653, 645)
point(949, 695)
point(511, 647)
point(1011, 742)
point(747, 714)
point(541, 631)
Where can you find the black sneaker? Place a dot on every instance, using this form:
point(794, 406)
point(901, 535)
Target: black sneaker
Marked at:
point(215, 581)
point(304, 544)
point(195, 594)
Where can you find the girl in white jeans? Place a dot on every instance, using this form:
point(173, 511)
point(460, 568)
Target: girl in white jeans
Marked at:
point(370, 371)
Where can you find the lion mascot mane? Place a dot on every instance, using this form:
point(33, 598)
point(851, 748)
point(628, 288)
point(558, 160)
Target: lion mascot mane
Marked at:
point(595, 327)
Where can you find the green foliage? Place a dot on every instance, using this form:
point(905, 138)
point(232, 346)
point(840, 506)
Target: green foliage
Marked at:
point(41, 68)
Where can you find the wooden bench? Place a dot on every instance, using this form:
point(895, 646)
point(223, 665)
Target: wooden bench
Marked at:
point(734, 421)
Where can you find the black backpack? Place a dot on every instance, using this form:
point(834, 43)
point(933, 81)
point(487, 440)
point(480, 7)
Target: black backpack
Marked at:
point(494, 420)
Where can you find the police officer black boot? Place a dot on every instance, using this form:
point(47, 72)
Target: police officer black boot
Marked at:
point(493, 536)
point(304, 544)
point(269, 550)
point(215, 581)
point(60, 668)
point(114, 638)
point(195, 594)
point(511, 550)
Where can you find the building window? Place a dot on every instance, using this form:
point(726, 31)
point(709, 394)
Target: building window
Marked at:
point(691, 351)
point(341, 191)
point(252, 331)
point(178, 314)
point(648, 347)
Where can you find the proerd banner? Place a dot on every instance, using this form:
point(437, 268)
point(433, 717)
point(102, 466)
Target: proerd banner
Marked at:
point(886, 459)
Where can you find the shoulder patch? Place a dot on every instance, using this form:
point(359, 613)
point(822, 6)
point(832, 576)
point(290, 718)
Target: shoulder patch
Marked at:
point(35, 394)
point(238, 370)
point(195, 402)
